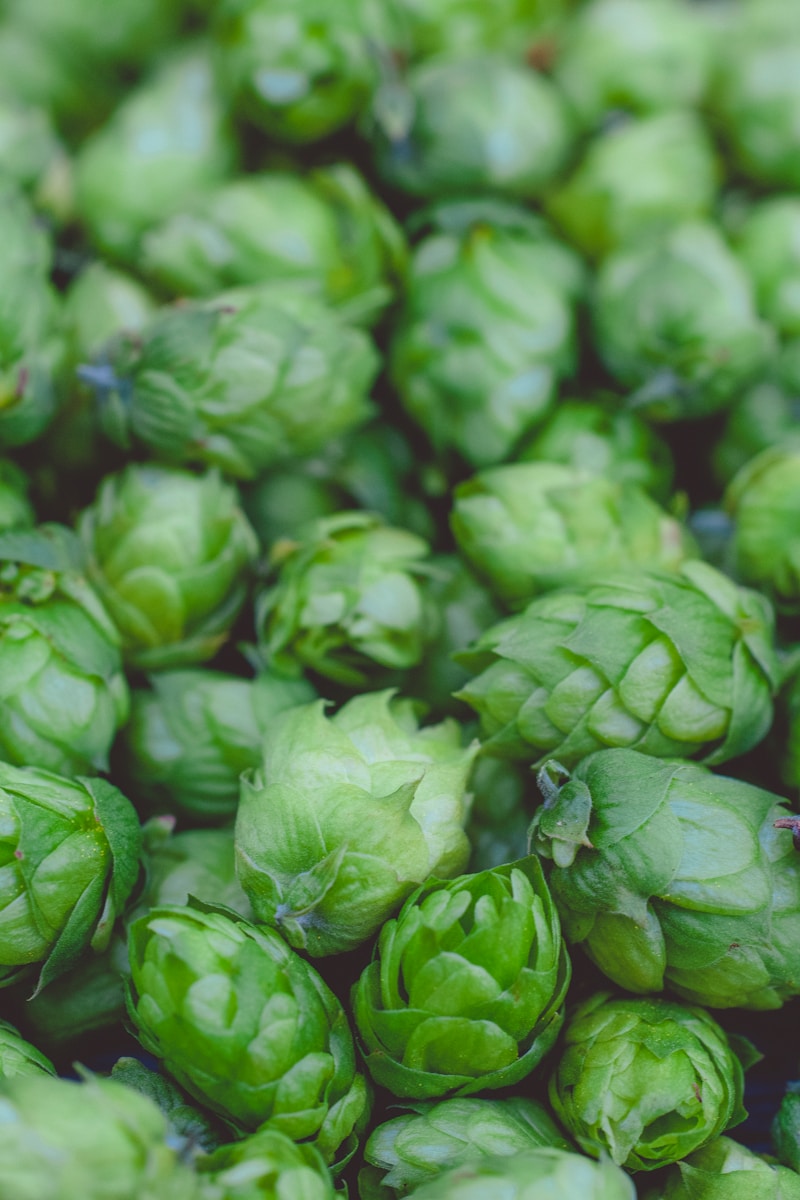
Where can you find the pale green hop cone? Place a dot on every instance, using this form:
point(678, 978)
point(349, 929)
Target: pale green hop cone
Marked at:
point(763, 499)
point(267, 1165)
point(530, 1175)
point(726, 1170)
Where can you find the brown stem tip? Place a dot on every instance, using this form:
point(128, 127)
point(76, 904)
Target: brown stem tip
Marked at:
point(792, 823)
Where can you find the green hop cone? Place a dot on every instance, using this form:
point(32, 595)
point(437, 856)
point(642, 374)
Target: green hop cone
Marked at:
point(670, 876)
point(768, 243)
point(670, 665)
point(602, 436)
point(471, 124)
point(96, 1140)
point(167, 142)
point(645, 1081)
point(545, 1171)
point(100, 302)
point(515, 27)
point(31, 155)
point(241, 383)
point(348, 600)
point(63, 691)
point(764, 500)
point(192, 734)
point(18, 1057)
point(415, 1147)
point(487, 329)
point(197, 863)
point(527, 528)
point(246, 1026)
point(466, 988)
point(785, 1129)
point(637, 177)
point(267, 1165)
point(70, 857)
point(302, 74)
point(348, 815)
point(766, 414)
point(324, 233)
point(641, 57)
point(725, 1170)
point(170, 554)
point(674, 317)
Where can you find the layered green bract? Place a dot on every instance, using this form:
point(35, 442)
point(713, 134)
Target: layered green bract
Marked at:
point(349, 599)
point(70, 856)
point(95, 1140)
point(348, 815)
point(324, 233)
point(242, 383)
point(472, 124)
point(415, 1147)
point(645, 1081)
point(725, 1170)
point(267, 1165)
point(764, 500)
point(466, 989)
point(19, 1057)
point(487, 329)
point(547, 1171)
point(674, 317)
point(531, 527)
point(193, 732)
point(670, 876)
point(170, 554)
point(670, 665)
point(62, 690)
point(246, 1026)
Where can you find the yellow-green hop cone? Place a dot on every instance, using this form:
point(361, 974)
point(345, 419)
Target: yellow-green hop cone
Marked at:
point(246, 1026)
point(527, 528)
point(763, 499)
point(466, 987)
point(529, 1175)
point(95, 1140)
point(672, 665)
point(267, 1165)
point(726, 1170)
point(645, 1081)
point(347, 815)
point(672, 877)
point(413, 1148)
point(170, 554)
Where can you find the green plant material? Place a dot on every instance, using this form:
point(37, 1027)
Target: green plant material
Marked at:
point(656, 897)
point(301, 75)
point(725, 1170)
point(170, 554)
point(167, 142)
point(468, 124)
point(786, 1129)
point(88, 997)
point(374, 467)
point(680, 665)
point(415, 1147)
point(18, 1057)
point(768, 243)
point(502, 806)
point(764, 500)
point(16, 511)
point(466, 988)
point(197, 863)
point(674, 317)
point(97, 1140)
point(790, 712)
point(193, 732)
point(101, 302)
point(602, 436)
point(246, 1026)
point(756, 93)
point(636, 178)
point(645, 1081)
point(513, 27)
point(487, 329)
point(348, 815)
point(348, 599)
point(267, 1165)
point(70, 857)
point(242, 383)
point(30, 150)
point(530, 527)
point(30, 350)
point(545, 1171)
point(766, 414)
point(195, 1129)
point(324, 233)
point(63, 691)
point(639, 57)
